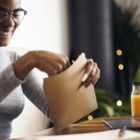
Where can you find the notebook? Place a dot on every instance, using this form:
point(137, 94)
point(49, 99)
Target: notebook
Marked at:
point(131, 123)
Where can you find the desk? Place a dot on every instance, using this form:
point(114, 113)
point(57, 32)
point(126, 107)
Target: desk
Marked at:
point(95, 125)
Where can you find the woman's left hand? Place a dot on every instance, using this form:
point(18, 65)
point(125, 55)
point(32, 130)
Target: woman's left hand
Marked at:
point(91, 75)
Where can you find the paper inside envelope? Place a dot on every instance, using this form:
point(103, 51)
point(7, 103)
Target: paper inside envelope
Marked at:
point(66, 104)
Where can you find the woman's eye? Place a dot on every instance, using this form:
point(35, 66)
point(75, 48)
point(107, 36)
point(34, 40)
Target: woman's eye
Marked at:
point(2, 14)
point(17, 14)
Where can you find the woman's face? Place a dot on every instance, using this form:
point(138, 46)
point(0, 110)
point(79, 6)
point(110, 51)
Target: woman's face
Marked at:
point(8, 27)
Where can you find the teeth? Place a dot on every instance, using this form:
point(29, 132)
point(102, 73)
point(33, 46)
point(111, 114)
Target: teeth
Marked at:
point(5, 33)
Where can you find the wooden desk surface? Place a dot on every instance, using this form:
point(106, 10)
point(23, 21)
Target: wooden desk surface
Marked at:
point(95, 125)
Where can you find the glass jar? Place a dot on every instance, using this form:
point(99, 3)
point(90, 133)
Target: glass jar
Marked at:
point(135, 99)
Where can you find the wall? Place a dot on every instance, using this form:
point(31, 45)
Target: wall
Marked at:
point(44, 27)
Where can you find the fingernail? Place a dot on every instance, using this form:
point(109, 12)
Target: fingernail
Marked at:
point(83, 53)
point(82, 89)
point(94, 72)
point(84, 77)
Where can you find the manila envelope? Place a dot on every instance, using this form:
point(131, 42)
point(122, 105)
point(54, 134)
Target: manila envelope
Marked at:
point(66, 104)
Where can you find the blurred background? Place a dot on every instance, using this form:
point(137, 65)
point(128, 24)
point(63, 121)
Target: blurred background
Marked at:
point(105, 30)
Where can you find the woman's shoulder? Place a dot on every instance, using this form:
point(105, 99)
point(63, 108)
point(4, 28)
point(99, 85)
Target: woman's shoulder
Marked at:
point(11, 54)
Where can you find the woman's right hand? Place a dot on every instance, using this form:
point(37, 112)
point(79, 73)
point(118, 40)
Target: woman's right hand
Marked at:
point(51, 63)
point(48, 62)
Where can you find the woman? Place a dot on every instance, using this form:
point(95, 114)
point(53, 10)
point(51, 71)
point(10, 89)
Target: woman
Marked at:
point(16, 75)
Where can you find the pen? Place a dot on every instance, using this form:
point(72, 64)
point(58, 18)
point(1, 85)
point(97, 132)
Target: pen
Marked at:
point(122, 131)
point(108, 124)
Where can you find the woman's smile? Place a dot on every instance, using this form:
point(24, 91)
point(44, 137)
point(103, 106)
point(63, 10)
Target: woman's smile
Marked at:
point(5, 34)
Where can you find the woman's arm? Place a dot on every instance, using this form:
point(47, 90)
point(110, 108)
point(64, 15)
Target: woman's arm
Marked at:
point(8, 82)
point(48, 62)
point(13, 74)
point(33, 90)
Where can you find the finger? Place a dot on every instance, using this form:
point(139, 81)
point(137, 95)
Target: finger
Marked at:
point(51, 71)
point(89, 67)
point(65, 63)
point(97, 74)
point(85, 84)
point(92, 79)
point(82, 88)
point(68, 63)
point(94, 82)
point(94, 69)
point(89, 80)
point(88, 83)
point(59, 68)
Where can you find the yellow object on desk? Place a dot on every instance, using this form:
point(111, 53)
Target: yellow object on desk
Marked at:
point(135, 105)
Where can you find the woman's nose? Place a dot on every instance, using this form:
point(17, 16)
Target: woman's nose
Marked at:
point(9, 22)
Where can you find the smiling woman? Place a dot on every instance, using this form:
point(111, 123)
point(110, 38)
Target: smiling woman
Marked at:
point(7, 25)
point(17, 76)
point(17, 15)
